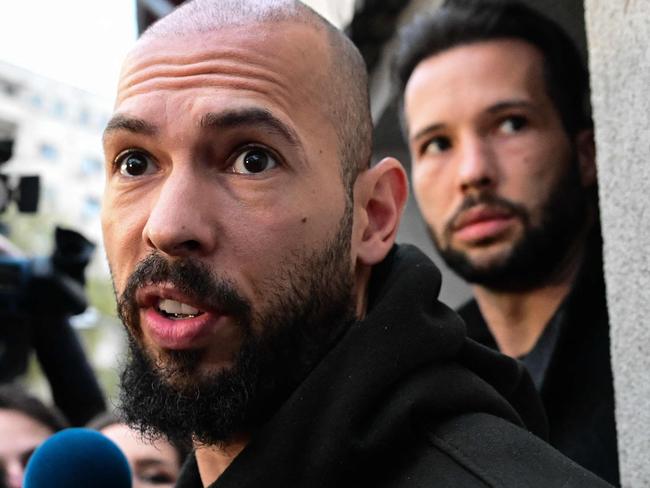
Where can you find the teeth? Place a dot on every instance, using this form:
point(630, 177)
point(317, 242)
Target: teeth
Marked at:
point(188, 310)
point(178, 309)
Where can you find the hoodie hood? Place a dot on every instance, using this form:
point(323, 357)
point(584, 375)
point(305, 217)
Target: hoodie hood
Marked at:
point(406, 366)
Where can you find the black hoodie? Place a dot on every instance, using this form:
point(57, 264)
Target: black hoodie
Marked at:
point(576, 387)
point(404, 399)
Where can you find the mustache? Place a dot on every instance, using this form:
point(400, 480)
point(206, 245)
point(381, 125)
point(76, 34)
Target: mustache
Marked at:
point(489, 200)
point(190, 277)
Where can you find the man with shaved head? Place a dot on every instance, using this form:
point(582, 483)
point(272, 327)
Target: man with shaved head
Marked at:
point(274, 324)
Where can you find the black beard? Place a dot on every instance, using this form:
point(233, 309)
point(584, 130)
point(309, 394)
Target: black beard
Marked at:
point(540, 255)
point(310, 304)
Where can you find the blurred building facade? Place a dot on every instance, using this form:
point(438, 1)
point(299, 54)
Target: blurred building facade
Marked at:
point(56, 132)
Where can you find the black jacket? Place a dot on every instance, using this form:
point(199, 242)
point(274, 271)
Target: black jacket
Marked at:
point(577, 387)
point(403, 399)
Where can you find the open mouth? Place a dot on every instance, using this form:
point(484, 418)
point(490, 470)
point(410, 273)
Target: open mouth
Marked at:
point(176, 310)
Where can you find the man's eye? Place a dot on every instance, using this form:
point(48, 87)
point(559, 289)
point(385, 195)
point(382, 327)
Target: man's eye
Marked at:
point(437, 145)
point(512, 124)
point(134, 163)
point(155, 478)
point(252, 161)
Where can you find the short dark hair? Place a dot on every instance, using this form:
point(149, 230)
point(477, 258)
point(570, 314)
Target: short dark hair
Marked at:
point(14, 397)
point(461, 22)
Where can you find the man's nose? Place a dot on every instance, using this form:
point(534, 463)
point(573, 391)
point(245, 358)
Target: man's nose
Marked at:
point(180, 221)
point(477, 168)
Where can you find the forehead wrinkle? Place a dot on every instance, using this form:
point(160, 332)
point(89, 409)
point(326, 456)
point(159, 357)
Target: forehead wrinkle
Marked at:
point(276, 71)
point(236, 78)
point(231, 75)
point(262, 57)
point(206, 62)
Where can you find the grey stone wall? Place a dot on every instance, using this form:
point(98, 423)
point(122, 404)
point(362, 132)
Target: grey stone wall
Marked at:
point(619, 50)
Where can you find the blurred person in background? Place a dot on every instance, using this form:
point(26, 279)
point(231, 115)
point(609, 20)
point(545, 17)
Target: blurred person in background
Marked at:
point(154, 463)
point(25, 423)
point(495, 106)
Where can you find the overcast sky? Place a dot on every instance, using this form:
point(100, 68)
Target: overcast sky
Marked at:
point(79, 42)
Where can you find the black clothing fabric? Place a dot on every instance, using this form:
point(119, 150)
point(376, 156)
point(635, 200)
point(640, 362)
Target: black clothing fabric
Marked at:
point(573, 371)
point(61, 356)
point(403, 399)
point(74, 386)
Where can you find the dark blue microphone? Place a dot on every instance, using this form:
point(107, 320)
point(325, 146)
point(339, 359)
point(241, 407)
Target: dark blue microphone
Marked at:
point(78, 458)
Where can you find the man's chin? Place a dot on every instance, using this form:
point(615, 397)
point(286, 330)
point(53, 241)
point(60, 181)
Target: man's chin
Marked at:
point(478, 265)
point(180, 370)
point(483, 256)
point(484, 260)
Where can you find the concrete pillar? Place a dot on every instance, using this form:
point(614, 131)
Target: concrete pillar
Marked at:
point(618, 35)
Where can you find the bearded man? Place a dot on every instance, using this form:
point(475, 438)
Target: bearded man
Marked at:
point(274, 323)
point(503, 169)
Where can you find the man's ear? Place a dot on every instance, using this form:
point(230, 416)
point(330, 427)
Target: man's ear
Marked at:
point(380, 195)
point(586, 154)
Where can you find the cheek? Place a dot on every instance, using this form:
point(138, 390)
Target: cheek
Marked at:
point(122, 231)
point(535, 162)
point(275, 236)
point(273, 232)
point(530, 182)
point(301, 213)
point(432, 195)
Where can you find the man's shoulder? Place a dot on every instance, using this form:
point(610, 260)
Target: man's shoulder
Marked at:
point(494, 452)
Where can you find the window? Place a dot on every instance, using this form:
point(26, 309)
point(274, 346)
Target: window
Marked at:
point(91, 165)
point(91, 207)
point(36, 101)
point(58, 109)
point(84, 117)
point(48, 151)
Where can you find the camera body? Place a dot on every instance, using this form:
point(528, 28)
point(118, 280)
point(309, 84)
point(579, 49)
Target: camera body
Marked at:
point(15, 274)
point(39, 290)
point(53, 285)
point(25, 191)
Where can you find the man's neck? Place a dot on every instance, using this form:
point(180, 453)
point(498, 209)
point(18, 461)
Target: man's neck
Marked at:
point(212, 461)
point(517, 319)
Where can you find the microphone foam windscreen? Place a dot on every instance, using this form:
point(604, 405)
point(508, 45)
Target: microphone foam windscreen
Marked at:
point(78, 458)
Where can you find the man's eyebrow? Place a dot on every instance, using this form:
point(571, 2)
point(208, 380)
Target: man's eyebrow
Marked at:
point(131, 124)
point(426, 130)
point(250, 117)
point(492, 109)
point(508, 104)
point(146, 462)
